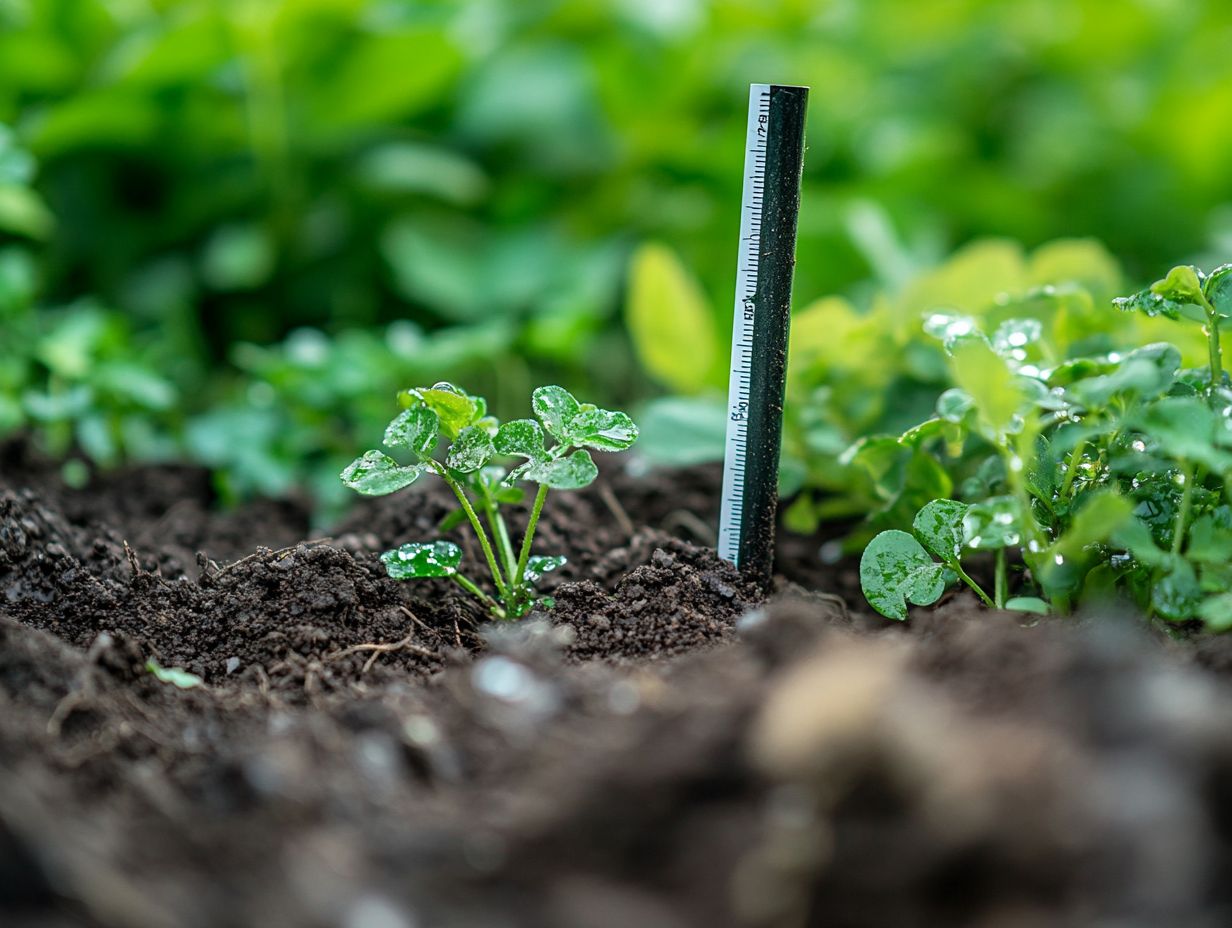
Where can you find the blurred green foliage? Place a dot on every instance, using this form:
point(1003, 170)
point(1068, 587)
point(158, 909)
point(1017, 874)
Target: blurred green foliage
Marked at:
point(285, 195)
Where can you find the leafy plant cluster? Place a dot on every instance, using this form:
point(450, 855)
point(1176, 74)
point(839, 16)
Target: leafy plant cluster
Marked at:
point(474, 445)
point(1080, 477)
point(261, 166)
point(862, 369)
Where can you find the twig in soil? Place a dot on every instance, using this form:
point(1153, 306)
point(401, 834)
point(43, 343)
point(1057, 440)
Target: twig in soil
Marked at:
point(280, 554)
point(682, 518)
point(435, 633)
point(617, 510)
point(133, 564)
point(406, 644)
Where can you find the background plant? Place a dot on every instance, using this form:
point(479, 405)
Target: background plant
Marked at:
point(481, 487)
point(1101, 475)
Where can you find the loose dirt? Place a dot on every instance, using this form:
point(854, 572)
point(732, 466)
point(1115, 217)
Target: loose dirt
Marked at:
point(666, 748)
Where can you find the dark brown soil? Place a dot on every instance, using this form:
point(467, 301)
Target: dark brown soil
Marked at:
point(664, 749)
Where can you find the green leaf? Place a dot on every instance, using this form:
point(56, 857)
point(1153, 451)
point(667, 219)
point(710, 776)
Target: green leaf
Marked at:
point(1014, 336)
point(939, 527)
point(569, 473)
point(1144, 373)
point(1149, 303)
point(1210, 537)
point(1216, 612)
point(422, 559)
point(539, 565)
point(993, 523)
point(1182, 285)
point(680, 431)
point(417, 429)
point(176, 676)
point(1218, 290)
point(896, 570)
point(455, 408)
point(986, 378)
point(1027, 604)
point(1177, 595)
point(471, 450)
point(1184, 429)
point(556, 408)
point(667, 310)
point(954, 404)
point(602, 429)
point(377, 474)
point(521, 437)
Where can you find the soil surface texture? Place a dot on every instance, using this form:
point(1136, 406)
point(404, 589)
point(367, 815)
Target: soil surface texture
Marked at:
point(666, 748)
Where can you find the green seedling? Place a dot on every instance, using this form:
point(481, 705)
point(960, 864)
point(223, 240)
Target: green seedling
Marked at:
point(173, 676)
point(1082, 477)
point(474, 445)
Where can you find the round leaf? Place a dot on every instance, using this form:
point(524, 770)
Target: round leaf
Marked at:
point(377, 474)
point(521, 437)
point(471, 450)
point(417, 429)
point(423, 559)
point(569, 473)
point(1219, 290)
point(602, 429)
point(939, 527)
point(556, 408)
point(993, 523)
point(895, 570)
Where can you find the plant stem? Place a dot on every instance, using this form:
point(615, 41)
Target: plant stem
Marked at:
point(500, 531)
point(1212, 341)
point(479, 531)
point(999, 587)
point(1071, 472)
point(471, 587)
point(971, 583)
point(530, 534)
point(1178, 530)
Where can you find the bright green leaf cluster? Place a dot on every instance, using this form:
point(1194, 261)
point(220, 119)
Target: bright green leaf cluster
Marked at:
point(470, 465)
point(1086, 476)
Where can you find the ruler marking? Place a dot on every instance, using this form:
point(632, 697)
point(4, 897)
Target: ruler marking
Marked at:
point(752, 201)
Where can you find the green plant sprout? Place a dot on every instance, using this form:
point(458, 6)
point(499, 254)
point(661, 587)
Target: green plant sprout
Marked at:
point(475, 441)
point(1088, 476)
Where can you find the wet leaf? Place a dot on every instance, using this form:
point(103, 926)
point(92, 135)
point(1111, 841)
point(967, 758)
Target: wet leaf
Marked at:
point(939, 527)
point(422, 559)
point(954, 404)
point(455, 408)
point(993, 523)
point(1218, 290)
point(415, 429)
point(602, 429)
point(471, 450)
point(1149, 304)
point(377, 474)
point(896, 570)
point(1176, 595)
point(539, 565)
point(521, 437)
point(556, 409)
point(568, 473)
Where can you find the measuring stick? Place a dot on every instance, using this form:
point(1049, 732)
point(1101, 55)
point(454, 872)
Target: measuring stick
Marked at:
point(773, 157)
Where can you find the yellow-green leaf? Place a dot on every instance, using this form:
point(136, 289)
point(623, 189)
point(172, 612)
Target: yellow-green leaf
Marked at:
point(670, 321)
